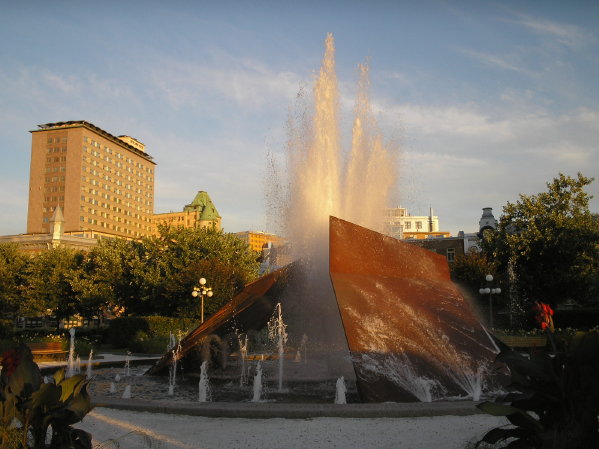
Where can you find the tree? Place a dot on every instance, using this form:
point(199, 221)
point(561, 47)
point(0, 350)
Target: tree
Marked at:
point(178, 257)
point(551, 243)
point(13, 266)
point(469, 272)
point(50, 283)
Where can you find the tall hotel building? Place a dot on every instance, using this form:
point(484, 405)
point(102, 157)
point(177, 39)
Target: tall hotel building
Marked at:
point(103, 184)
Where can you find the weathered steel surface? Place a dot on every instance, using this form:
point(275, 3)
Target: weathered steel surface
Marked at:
point(251, 309)
point(400, 309)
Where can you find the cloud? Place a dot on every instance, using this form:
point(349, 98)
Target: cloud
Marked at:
point(249, 84)
point(67, 85)
point(500, 62)
point(569, 35)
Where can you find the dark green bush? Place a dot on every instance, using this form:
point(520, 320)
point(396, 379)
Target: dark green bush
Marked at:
point(150, 345)
point(121, 331)
point(164, 326)
point(6, 344)
point(6, 328)
point(134, 333)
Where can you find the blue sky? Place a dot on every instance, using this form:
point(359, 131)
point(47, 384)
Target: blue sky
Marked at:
point(486, 99)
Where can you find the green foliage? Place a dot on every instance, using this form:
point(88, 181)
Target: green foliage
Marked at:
point(146, 334)
point(554, 401)
point(13, 267)
point(40, 406)
point(50, 284)
point(6, 328)
point(470, 270)
point(145, 344)
point(164, 326)
point(151, 276)
point(123, 330)
point(552, 242)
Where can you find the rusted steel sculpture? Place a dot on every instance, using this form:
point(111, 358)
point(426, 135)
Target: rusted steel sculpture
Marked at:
point(251, 309)
point(411, 333)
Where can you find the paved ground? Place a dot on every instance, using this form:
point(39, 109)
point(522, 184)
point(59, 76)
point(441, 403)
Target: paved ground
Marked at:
point(137, 430)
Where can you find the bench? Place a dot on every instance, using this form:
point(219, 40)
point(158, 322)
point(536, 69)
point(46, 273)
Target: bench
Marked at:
point(47, 350)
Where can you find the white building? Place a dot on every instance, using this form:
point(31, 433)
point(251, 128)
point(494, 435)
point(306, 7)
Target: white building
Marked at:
point(400, 224)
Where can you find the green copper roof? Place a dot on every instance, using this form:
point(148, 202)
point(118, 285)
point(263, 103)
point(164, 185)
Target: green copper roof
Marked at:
point(204, 206)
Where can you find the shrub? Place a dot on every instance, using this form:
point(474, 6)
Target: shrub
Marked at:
point(6, 328)
point(554, 398)
point(134, 333)
point(121, 331)
point(150, 345)
point(39, 406)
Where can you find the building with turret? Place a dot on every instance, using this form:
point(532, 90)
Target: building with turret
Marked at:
point(200, 213)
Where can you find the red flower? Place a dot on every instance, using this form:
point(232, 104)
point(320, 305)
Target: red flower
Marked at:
point(10, 361)
point(544, 312)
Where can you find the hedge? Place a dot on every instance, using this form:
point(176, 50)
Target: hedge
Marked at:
point(125, 332)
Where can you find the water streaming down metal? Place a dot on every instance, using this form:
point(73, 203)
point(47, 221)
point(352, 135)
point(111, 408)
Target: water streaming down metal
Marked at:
point(412, 334)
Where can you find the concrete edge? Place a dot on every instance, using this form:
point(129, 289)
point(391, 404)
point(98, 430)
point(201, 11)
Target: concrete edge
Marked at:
point(265, 410)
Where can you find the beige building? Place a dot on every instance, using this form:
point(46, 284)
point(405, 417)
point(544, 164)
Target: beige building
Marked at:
point(103, 184)
point(200, 213)
point(257, 240)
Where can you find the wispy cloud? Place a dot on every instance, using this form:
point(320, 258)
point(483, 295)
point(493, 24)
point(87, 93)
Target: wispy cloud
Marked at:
point(569, 35)
point(248, 84)
point(501, 62)
point(67, 85)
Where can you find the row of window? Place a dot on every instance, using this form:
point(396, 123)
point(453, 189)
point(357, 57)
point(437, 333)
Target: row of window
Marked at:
point(62, 168)
point(55, 179)
point(57, 140)
point(49, 160)
point(53, 199)
point(50, 150)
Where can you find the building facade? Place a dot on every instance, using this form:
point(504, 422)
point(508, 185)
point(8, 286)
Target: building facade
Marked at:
point(103, 184)
point(200, 213)
point(400, 224)
point(258, 240)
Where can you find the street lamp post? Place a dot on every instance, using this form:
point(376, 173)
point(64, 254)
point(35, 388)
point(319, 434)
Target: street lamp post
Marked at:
point(202, 291)
point(490, 291)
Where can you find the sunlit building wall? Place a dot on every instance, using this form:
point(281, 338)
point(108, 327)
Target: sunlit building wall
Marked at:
point(104, 184)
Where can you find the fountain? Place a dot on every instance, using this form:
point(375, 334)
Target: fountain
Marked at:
point(302, 349)
point(204, 384)
point(277, 334)
point(243, 353)
point(381, 312)
point(340, 390)
point(126, 370)
point(172, 374)
point(89, 364)
point(71, 359)
point(257, 388)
